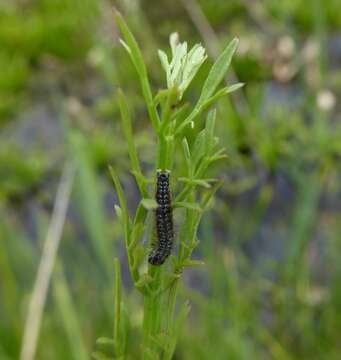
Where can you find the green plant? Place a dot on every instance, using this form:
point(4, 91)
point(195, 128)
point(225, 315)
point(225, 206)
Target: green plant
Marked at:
point(176, 125)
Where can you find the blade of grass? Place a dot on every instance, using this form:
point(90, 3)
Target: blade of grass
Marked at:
point(54, 233)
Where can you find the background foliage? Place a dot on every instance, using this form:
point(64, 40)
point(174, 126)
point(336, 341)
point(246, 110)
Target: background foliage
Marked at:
point(271, 243)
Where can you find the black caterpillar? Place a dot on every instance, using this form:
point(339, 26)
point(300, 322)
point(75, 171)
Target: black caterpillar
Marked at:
point(164, 220)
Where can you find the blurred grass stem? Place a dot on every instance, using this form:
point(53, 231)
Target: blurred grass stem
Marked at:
point(48, 258)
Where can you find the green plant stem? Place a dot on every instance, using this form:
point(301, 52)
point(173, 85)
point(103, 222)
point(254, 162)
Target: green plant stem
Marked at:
point(152, 313)
point(154, 300)
point(162, 153)
point(167, 111)
point(171, 305)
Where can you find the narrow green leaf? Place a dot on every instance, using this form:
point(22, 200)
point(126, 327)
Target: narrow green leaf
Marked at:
point(210, 193)
point(229, 89)
point(217, 157)
point(137, 59)
point(193, 263)
point(136, 235)
point(187, 154)
point(200, 182)
point(210, 124)
point(141, 214)
point(220, 93)
point(130, 44)
point(217, 72)
point(187, 205)
point(199, 147)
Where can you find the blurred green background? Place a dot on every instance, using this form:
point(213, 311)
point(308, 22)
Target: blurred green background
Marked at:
point(271, 287)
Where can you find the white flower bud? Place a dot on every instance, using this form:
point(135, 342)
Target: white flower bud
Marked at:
point(183, 66)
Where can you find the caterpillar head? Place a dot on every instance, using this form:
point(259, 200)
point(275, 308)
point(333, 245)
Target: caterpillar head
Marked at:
point(163, 175)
